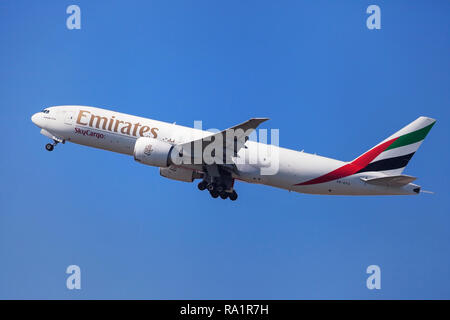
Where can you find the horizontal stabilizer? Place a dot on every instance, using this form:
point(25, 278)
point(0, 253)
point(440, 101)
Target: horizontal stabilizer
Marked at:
point(390, 181)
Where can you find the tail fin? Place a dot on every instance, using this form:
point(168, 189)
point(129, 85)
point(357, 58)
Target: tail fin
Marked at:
point(393, 154)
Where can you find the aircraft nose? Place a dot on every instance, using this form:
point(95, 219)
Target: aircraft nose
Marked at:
point(37, 119)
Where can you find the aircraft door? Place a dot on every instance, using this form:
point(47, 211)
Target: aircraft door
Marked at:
point(68, 118)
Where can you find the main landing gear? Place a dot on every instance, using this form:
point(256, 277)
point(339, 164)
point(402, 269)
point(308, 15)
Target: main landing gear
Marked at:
point(217, 190)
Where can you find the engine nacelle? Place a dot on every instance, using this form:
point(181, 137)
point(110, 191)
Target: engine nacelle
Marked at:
point(152, 152)
point(177, 173)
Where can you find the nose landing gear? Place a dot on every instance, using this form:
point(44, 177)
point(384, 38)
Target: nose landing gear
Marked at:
point(51, 146)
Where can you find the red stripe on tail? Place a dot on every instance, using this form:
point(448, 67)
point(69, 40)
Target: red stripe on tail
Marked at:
point(352, 167)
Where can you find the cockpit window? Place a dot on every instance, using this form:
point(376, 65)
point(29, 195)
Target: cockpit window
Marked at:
point(45, 111)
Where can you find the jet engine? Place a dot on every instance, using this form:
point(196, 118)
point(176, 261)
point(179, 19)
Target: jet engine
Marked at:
point(177, 173)
point(152, 152)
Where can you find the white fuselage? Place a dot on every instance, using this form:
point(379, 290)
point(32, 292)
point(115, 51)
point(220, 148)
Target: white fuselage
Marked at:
point(118, 132)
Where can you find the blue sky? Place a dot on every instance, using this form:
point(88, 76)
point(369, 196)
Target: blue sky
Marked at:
point(329, 84)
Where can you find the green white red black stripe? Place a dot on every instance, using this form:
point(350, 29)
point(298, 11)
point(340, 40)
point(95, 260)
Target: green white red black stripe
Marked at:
point(390, 156)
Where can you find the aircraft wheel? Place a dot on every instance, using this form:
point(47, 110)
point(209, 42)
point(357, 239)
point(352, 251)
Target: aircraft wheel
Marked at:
point(214, 193)
point(202, 185)
point(223, 195)
point(49, 147)
point(211, 187)
point(233, 196)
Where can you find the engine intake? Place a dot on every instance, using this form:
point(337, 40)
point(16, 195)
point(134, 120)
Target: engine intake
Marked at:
point(152, 152)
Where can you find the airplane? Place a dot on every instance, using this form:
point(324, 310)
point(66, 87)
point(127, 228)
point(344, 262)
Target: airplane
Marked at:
point(218, 159)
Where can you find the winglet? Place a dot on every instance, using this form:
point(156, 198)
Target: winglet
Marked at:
point(252, 123)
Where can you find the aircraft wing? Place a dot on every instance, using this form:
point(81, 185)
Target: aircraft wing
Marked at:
point(230, 141)
point(390, 181)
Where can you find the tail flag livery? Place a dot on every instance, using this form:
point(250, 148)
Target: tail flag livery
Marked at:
point(399, 148)
point(389, 156)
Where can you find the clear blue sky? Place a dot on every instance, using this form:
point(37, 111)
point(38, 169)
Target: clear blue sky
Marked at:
point(329, 84)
